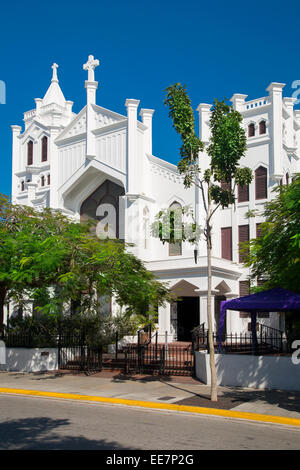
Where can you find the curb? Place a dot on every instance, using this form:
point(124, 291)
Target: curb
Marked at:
point(159, 406)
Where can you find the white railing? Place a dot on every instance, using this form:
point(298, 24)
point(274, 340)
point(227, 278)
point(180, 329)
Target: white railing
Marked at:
point(29, 114)
point(258, 103)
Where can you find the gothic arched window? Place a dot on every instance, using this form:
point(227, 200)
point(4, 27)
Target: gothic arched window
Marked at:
point(48, 179)
point(261, 183)
point(251, 130)
point(175, 249)
point(43, 180)
point(44, 149)
point(22, 185)
point(262, 127)
point(287, 179)
point(30, 152)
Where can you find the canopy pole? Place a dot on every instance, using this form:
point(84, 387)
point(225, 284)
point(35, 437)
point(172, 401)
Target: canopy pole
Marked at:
point(254, 334)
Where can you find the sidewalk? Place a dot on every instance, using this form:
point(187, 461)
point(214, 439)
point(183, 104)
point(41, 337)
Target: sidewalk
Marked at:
point(167, 390)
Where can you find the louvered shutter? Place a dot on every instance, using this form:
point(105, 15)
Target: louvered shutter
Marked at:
point(175, 249)
point(226, 186)
point(258, 230)
point(44, 149)
point(226, 236)
point(244, 288)
point(262, 127)
point(243, 193)
point(251, 130)
point(261, 183)
point(30, 153)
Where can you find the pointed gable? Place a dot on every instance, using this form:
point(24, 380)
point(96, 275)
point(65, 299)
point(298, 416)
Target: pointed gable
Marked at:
point(54, 95)
point(76, 127)
point(105, 117)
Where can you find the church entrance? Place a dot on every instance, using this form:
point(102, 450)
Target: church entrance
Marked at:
point(187, 317)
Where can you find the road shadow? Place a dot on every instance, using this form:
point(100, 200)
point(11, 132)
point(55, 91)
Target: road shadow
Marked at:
point(41, 434)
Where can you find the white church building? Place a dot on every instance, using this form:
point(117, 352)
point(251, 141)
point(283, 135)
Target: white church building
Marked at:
point(99, 164)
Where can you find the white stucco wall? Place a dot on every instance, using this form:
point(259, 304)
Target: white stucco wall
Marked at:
point(31, 359)
point(261, 372)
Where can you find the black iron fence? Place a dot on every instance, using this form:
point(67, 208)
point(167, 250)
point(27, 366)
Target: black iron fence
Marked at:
point(29, 340)
point(159, 359)
point(267, 341)
point(74, 353)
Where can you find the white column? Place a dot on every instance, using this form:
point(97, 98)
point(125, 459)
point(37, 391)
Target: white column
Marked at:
point(55, 170)
point(238, 102)
point(275, 92)
point(16, 156)
point(163, 321)
point(297, 118)
point(203, 310)
point(204, 116)
point(289, 122)
point(69, 105)
point(132, 177)
point(91, 88)
point(146, 115)
point(39, 103)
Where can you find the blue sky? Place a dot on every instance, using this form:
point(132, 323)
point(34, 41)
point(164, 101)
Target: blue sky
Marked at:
point(216, 48)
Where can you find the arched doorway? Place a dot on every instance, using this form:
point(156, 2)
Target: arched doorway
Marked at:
point(103, 205)
point(186, 314)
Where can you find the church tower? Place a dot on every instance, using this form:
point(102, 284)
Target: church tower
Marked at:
point(34, 150)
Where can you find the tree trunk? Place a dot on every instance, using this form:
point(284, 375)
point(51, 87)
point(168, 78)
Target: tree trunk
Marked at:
point(214, 388)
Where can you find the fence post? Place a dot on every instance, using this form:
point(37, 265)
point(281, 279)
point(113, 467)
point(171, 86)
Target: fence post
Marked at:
point(139, 350)
point(59, 345)
point(82, 350)
point(125, 362)
point(117, 340)
point(162, 361)
point(166, 344)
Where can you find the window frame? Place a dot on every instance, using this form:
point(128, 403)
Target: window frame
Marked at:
point(30, 153)
point(44, 149)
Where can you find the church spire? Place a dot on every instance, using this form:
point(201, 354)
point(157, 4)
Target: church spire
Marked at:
point(54, 93)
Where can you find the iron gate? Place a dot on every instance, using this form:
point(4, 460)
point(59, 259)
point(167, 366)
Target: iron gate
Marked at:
point(75, 354)
point(159, 359)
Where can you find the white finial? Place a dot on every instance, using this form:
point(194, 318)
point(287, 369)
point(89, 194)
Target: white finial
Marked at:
point(90, 66)
point(54, 76)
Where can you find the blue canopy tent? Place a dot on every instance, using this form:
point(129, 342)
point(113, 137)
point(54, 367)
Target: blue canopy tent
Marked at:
point(273, 300)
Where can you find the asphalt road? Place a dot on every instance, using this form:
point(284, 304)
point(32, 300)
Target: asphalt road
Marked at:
point(31, 423)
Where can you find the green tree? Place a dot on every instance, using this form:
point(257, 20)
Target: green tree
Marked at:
point(58, 262)
point(274, 257)
point(227, 146)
